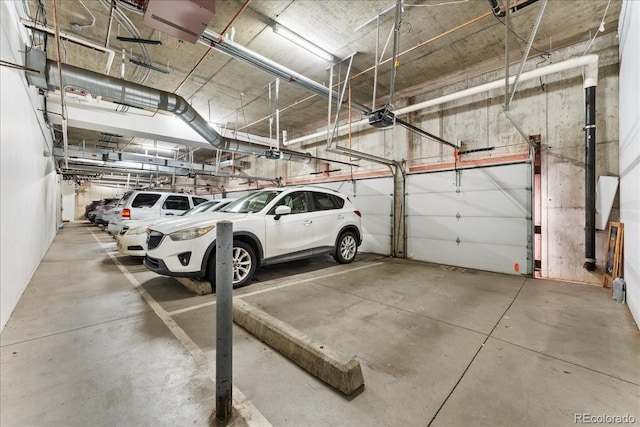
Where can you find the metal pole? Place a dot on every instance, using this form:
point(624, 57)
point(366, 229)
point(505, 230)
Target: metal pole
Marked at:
point(506, 59)
point(224, 319)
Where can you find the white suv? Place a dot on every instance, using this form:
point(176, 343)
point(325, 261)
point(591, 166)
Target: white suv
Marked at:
point(269, 226)
point(147, 205)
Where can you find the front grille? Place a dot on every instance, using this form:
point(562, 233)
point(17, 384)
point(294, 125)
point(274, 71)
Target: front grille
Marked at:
point(135, 248)
point(153, 239)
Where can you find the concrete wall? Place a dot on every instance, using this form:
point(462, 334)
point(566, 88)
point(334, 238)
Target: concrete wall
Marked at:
point(552, 107)
point(630, 149)
point(30, 188)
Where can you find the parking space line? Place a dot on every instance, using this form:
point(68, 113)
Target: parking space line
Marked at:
point(245, 408)
point(191, 308)
point(311, 279)
point(273, 288)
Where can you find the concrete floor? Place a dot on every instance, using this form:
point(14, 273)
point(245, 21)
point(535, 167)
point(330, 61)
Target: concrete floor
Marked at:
point(98, 340)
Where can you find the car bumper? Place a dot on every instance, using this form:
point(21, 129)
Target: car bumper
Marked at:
point(135, 245)
point(158, 266)
point(169, 254)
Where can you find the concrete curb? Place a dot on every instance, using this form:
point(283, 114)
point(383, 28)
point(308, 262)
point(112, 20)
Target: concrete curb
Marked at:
point(200, 287)
point(331, 366)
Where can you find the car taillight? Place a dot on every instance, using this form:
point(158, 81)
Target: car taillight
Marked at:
point(126, 213)
point(357, 213)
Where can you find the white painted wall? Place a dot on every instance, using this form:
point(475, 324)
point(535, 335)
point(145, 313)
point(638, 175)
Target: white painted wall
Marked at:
point(29, 186)
point(68, 190)
point(629, 30)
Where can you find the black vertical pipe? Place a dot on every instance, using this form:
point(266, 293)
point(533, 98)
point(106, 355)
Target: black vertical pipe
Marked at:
point(590, 179)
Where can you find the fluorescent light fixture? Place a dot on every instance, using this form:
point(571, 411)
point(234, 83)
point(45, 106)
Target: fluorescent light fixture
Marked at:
point(302, 42)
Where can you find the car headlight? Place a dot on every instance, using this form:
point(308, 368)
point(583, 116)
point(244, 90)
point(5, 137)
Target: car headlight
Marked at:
point(137, 231)
point(191, 233)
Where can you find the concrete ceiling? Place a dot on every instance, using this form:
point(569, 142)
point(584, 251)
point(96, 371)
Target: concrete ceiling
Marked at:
point(437, 38)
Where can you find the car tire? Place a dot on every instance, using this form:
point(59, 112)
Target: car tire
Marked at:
point(346, 248)
point(244, 265)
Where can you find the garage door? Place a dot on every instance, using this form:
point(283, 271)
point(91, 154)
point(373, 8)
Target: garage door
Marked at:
point(477, 218)
point(374, 199)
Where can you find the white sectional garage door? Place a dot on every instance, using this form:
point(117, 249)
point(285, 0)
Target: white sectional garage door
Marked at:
point(477, 218)
point(374, 199)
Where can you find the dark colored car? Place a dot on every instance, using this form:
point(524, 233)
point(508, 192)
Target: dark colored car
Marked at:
point(104, 203)
point(90, 208)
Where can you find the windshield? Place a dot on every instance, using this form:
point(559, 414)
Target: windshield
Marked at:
point(253, 202)
point(202, 207)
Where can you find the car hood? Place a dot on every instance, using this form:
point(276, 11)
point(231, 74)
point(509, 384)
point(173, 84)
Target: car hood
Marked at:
point(135, 223)
point(199, 220)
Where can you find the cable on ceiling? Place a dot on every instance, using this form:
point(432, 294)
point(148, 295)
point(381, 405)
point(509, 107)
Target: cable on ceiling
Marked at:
point(599, 30)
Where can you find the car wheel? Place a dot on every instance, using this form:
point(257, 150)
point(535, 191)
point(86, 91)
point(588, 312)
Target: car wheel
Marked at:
point(347, 248)
point(244, 265)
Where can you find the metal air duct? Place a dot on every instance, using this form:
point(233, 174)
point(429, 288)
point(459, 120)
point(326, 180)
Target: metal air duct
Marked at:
point(136, 95)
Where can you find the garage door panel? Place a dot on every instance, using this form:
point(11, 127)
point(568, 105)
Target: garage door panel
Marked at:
point(489, 178)
point(375, 187)
point(375, 244)
point(470, 204)
point(432, 203)
point(493, 203)
point(501, 231)
point(376, 224)
point(373, 205)
point(484, 225)
point(437, 182)
point(373, 198)
point(343, 187)
point(480, 256)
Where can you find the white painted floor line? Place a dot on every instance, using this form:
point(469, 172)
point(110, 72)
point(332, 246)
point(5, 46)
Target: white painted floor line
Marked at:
point(274, 288)
point(191, 308)
point(245, 408)
point(311, 279)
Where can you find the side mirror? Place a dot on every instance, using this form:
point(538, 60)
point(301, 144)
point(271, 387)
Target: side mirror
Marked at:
point(282, 210)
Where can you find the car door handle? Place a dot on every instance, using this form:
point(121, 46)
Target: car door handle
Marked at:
point(340, 216)
point(169, 214)
point(308, 222)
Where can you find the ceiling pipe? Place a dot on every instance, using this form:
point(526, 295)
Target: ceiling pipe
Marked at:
point(140, 96)
point(236, 51)
point(112, 9)
point(588, 62)
point(136, 95)
point(81, 165)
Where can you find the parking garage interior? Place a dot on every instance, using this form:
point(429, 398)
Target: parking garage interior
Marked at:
point(491, 150)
